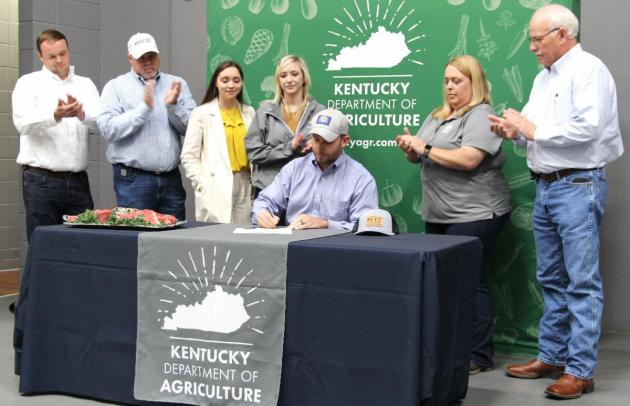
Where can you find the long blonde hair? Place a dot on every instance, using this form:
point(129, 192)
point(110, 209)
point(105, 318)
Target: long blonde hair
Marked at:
point(307, 77)
point(470, 67)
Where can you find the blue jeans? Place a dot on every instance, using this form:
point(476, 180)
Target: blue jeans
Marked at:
point(487, 231)
point(566, 219)
point(140, 189)
point(47, 198)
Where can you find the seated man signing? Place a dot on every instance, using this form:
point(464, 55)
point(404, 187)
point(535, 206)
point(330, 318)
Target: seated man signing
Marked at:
point(324, 189)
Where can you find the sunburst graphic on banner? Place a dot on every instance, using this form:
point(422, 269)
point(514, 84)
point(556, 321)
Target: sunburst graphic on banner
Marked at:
point(374, 34)
point(210, 294)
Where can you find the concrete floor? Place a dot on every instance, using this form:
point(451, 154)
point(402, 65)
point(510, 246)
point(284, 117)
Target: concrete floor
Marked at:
point(611, 381)
point(486, 389)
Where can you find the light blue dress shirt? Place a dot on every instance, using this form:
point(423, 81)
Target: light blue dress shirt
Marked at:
point(140, 137)
point(339, 194)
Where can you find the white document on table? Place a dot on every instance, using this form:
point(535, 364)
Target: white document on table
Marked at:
point(282, 230)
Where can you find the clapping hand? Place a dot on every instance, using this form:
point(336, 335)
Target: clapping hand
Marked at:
point(298, 145)
point(173, 93)
point(149, 90)
point(70, 108)
point(308, 146)
point(512, 125)
point(411, 145)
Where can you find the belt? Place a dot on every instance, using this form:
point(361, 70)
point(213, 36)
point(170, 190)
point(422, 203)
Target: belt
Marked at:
point(157, 173)
point(48, 172)
point(557, 175)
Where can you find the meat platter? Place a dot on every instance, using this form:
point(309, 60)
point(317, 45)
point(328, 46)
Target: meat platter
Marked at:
point(122, 218)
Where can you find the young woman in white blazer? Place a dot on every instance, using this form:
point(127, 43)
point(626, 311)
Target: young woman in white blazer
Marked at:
point(213, 153)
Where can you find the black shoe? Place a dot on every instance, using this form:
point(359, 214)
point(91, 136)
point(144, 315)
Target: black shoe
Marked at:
point(12, 307)
point(474, 369)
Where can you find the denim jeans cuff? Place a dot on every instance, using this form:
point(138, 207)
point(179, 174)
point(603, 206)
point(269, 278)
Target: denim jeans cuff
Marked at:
point(550, 362)
point(578, 375)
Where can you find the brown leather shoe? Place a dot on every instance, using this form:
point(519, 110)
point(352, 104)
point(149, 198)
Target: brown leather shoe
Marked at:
point(570, 387)
point(532, 370)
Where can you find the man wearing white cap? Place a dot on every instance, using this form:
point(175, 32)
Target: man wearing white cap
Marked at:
point(324, 189)
point(145, 112)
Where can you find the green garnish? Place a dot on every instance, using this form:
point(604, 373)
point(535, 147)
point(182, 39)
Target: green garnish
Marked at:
point(87, 217)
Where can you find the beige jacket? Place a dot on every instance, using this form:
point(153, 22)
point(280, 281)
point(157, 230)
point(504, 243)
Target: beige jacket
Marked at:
point(207, 163)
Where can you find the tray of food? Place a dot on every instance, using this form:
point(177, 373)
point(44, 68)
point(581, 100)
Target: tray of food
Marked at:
point(122, 217)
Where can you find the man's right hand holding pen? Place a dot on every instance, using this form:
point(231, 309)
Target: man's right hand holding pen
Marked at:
point(265, 219)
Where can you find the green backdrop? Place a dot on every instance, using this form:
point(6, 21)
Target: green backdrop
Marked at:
point(381, 62)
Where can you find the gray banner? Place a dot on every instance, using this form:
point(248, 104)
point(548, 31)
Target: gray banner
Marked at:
point(211, 308)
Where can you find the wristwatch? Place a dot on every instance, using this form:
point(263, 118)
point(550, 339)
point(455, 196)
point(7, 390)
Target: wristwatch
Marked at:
point(427, 149)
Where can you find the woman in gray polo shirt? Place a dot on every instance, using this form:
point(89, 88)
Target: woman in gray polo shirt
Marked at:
point(463, 190)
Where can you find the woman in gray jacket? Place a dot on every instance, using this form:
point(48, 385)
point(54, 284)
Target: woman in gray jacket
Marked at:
point(276, 134)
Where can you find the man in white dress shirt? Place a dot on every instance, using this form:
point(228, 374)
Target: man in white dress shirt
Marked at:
point(52, 110)
point(571, 128)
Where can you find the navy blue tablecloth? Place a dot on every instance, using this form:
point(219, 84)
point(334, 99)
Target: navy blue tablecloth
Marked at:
point(370, 320)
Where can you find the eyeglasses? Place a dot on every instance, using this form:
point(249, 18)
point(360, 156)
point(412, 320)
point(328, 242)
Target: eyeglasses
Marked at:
point(537, 40)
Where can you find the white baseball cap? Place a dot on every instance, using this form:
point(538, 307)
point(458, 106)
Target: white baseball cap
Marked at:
point(140, 43)
point(329, 124)
point(376, 221)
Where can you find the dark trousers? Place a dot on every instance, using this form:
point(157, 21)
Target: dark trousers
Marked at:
point(483, 327)
point(48, 196)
